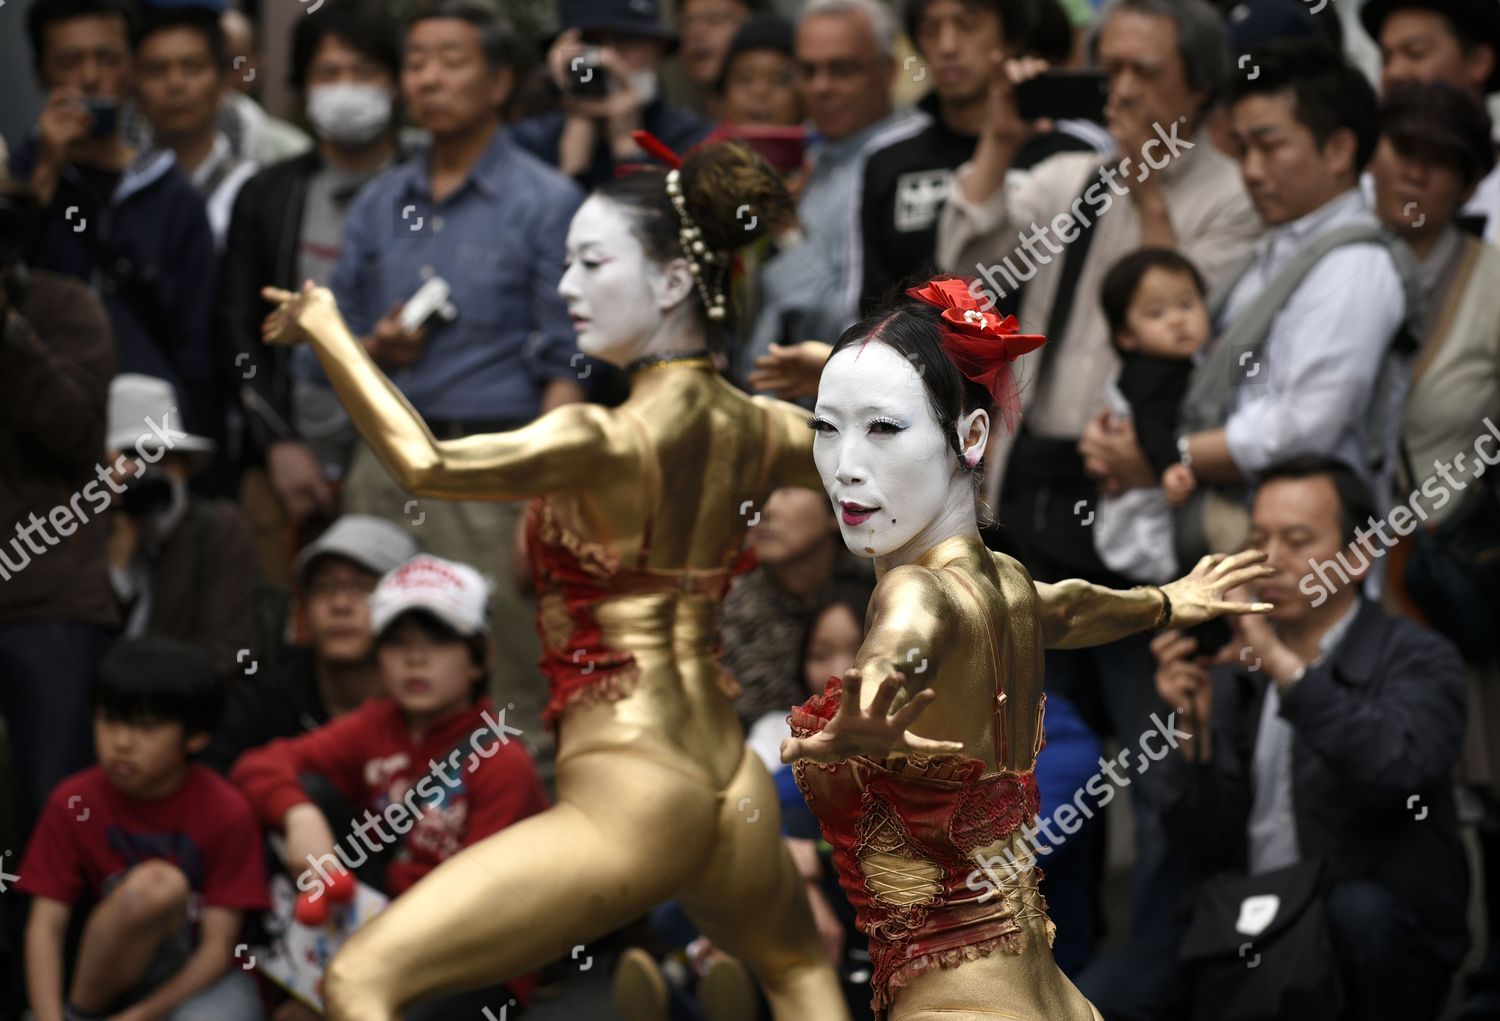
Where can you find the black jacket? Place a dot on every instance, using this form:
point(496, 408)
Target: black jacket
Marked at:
point(282, 702)
point(1377, 726)
point(906, 185)
point(265, 235)
point(1154, 388)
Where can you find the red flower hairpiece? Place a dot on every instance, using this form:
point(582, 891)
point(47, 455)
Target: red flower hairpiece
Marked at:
point(981, 344)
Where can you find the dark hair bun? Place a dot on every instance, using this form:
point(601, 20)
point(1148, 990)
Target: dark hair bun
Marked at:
point(733, 195)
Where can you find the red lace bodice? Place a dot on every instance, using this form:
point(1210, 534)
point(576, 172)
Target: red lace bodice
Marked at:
point(903, 833)
point(573, 575)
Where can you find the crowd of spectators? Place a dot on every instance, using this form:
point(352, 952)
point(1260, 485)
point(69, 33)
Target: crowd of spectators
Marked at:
point(1265, 263)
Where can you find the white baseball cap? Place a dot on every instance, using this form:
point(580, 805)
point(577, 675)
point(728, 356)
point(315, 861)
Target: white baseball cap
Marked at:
point(454, 593)
point(373, 543)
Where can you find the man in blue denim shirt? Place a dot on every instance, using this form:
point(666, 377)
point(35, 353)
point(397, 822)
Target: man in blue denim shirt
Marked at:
point(490, 219)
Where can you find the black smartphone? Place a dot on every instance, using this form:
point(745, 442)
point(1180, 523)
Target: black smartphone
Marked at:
point(1077, 95)
point(105, 113)
point(587, 76)
point(1212, 636)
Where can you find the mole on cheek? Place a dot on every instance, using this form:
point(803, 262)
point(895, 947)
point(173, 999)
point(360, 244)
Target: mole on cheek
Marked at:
point(893, 521)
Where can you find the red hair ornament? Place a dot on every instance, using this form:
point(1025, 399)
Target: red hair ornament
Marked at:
point(980, 344)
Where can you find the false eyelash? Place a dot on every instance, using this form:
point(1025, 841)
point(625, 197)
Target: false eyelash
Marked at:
point(814, 423)
point(888, 421)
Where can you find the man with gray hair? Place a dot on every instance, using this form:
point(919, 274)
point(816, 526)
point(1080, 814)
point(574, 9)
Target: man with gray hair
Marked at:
point(1057, 232)
point(845, 68)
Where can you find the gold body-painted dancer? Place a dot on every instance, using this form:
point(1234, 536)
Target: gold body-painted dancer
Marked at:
point(920, 761)
point(653, 776)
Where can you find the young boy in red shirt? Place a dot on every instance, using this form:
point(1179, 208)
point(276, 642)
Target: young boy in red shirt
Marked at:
point(431, 766)
point(166, 851)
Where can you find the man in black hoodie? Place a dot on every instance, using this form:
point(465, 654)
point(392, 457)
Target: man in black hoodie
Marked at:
point(906, 183)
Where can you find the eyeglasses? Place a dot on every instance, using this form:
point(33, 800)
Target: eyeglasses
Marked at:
point(842, 70)
point(341, 586)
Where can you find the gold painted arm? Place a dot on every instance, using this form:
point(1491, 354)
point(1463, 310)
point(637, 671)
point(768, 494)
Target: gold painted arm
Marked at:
point(1076, 614)
point(907, 626)
point(569, 446)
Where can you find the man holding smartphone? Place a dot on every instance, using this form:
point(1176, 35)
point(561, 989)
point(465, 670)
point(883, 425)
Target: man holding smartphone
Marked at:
point(907, 182)
point(129, 220)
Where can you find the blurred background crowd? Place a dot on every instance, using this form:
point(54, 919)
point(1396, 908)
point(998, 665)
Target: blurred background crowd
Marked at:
point(1259, 237)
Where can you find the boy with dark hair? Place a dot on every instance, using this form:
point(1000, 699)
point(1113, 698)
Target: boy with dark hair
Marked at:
point(164, 852)
point(430, 760)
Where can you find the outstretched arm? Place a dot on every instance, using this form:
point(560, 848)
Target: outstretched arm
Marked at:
point(885, 691)
point(1076, 614)
point(567, 447)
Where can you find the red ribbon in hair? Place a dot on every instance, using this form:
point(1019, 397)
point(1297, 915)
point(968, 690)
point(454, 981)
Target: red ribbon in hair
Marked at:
point(981, 344)
point(656, 147)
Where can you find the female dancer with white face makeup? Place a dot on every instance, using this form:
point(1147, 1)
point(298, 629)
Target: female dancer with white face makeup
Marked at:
point(902, 421)
point(644, 510)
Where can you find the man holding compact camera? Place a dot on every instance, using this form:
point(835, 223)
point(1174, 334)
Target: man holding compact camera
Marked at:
point(129, 220)
point(606, 64)
point(449, 269)
point(1318, 775)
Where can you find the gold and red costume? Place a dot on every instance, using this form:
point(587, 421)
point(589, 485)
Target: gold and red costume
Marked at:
point(916, 836)
point(642, 514)
point(913, 834)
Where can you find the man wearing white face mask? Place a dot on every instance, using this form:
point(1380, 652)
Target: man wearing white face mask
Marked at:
point(287, 228)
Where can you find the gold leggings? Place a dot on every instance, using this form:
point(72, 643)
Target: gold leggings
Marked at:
point(633, 827)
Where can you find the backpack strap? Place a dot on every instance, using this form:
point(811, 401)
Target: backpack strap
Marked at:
point(1213, 382)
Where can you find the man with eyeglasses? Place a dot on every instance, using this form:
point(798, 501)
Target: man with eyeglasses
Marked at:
point(331, 667)
point(845, 69)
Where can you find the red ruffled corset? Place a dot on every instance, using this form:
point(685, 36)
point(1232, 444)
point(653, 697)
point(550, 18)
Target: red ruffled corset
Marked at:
point(572, 576)
point(902, 834)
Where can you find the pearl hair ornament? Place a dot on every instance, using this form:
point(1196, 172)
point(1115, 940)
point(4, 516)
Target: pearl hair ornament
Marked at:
point(691, 238)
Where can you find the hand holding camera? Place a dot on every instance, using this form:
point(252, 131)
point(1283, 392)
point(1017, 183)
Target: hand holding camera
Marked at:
point(596, 84)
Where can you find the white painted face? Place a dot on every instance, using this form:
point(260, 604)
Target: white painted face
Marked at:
point(888, 466)
point(617, 296)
